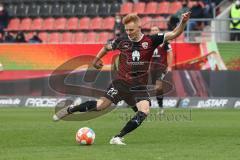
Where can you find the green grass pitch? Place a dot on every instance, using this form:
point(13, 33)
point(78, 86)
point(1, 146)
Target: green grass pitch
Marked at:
point(30, 134)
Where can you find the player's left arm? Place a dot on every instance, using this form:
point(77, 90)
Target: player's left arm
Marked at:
point(179, 29)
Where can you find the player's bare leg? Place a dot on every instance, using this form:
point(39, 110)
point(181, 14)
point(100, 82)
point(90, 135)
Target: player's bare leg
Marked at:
point(68, 109)
point(143, 110)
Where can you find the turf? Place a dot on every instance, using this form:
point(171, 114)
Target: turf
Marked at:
point(29, 134)
point(229, 51)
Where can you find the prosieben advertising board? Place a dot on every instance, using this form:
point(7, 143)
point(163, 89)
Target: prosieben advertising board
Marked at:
point(168, 102)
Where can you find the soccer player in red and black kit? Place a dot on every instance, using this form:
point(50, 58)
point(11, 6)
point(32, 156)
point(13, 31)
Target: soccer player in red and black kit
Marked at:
point(136, 51)
point(162, 63)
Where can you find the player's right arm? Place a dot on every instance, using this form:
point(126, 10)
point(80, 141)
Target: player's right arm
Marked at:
point(97, 63)
point(111, 45)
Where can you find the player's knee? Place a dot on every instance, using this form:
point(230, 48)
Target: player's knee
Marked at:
point(146, 111)
point(144, 106)
point(158, 87)
point(103, 103)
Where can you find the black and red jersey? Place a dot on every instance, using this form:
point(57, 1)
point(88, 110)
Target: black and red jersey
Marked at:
point(135, 57)
point(159, 58)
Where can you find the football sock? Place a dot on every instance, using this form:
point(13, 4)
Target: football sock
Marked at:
point(160, 101)
point(159, 98)
point(135, 109)
point(132, 124)
point(84, 107)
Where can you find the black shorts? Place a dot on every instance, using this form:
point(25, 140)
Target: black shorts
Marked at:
point(120, 90)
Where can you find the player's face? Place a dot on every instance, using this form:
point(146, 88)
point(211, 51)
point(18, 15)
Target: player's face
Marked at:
point(154, 30)
point(132, 29)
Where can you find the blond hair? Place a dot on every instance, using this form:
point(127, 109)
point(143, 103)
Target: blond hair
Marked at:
point(132, 17)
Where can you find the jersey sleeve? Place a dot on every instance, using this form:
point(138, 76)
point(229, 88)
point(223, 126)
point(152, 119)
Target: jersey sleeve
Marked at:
point(167, 47)
point(157, 39)
point(113, 44)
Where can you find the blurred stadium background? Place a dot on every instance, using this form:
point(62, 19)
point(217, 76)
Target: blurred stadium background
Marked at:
point(204, 56)
point(205, 72)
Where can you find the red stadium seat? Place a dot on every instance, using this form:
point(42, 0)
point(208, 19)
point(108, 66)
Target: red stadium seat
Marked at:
point(43, 36)
point(72, 23)
point(146, 22)
point(28, 36)
point(67, 37)
point(139, 7)
point(163, 8)
point(60, 23)
point(84, 23)
point(14, 24)
point(108, 23)
point(96, 23)
point(126, 8)
point(25, 24)
point(91, 38)
point(174, 7)
point(111, 36)
point(79, 37)
point(103, 37)
point(54, 37)
point(160, 22)
point(48, 24)
point(37, 24)
point(151, 8)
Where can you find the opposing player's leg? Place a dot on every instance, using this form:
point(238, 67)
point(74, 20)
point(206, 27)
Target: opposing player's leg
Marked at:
point(87, 106)
point(143, 110)
point(159, 94)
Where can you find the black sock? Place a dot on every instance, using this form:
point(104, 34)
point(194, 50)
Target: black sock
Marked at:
point(132, 124)
point(160, 101)
point(84, 107)
point(135, 109)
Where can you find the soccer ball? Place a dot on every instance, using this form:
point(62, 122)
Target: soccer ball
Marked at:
point(85, 136)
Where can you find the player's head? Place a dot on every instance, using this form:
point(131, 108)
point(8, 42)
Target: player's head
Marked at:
point(154, 30)
point(132, 25)
point(237, 4)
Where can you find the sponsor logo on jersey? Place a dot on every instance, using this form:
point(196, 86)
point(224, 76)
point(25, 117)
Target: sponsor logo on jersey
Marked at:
point(155, 54)
point(135, 58)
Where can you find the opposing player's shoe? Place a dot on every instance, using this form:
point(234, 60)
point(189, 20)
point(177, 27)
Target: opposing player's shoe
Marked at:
point(160, 112)
point(117, 141)
point(63, 112)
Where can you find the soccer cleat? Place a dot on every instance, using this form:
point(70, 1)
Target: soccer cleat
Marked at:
point(60, 114)
point(117, 141)
point(161, 112)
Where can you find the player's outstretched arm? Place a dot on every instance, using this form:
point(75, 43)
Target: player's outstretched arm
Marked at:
point(179, 29)
point(97, 63)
